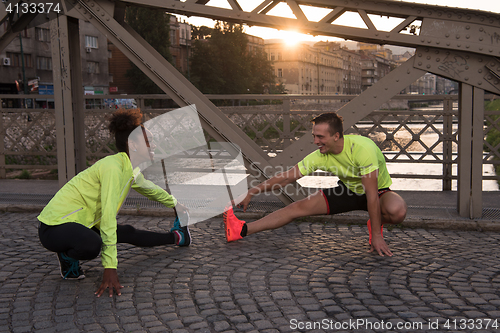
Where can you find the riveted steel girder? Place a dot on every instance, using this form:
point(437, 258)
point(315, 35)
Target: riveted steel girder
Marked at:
point(63, 100)
point(461, 35)
point(477, 70)
point(4, 14)
point(14, 29)
point(478, 31)
point(470, 151)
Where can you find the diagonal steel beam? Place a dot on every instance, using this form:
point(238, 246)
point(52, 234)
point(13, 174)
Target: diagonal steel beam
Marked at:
point(13, 31)
point(4, 15)
point(360, 107)
point(409, 20)
point(297, 11)
point(265, 6)
point(333, 15)
point(176, 86)
point(366, 19)
point(235, 5)
point(8, 15)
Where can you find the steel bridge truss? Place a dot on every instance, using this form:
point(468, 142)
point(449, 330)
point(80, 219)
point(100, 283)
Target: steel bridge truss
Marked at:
point(459, 44)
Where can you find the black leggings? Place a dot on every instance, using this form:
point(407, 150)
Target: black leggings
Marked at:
point(82, 243)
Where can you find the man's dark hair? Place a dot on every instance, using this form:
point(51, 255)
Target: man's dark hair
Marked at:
point(333, 120)
point(121, 123)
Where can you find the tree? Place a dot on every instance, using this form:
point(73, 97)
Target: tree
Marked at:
point(200, 32)
point(262, 74)
point(154, 26)
point(278, 88)
point(222, 63)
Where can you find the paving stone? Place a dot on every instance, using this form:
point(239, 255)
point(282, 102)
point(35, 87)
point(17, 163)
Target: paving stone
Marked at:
point(245, 327)
point(220, 326)
point(305, 271)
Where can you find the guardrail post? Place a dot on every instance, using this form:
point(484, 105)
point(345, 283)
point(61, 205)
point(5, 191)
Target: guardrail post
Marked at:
point(62, 99)
point(464, 150)
point(3, 172)
point(141, 104)
point(77, 95)
point(447, 143)
point(477, 154)
point(470, 151)
point(286, 123)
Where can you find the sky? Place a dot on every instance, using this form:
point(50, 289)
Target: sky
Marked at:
point(315, 14)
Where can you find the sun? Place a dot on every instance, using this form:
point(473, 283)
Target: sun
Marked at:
point(292, 37)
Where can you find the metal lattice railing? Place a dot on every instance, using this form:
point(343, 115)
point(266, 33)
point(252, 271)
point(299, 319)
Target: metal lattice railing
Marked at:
point(492, 146)
point(29, 139)
point(418, 135)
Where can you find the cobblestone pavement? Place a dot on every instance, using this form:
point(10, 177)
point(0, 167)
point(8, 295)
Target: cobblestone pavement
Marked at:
point(303, 276)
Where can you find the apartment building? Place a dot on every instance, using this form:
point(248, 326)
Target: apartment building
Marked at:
point(373, 68)
point(180, 49)
point(180, 43)
point(305, 69)
point(29, 58)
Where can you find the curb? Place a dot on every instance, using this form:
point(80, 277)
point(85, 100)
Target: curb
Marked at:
point(459, 224)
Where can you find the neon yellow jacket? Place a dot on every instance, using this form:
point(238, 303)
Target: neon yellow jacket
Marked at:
point(94, 197)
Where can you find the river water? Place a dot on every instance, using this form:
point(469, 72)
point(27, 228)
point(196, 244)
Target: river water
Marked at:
point(407, 184)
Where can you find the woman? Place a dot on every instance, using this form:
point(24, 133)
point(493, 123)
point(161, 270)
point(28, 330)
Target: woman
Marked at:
point(80, 220)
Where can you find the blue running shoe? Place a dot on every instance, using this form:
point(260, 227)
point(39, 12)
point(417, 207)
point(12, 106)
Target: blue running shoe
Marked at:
point(70, 268)
point(183, 234)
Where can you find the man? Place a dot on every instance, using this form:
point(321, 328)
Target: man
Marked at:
point(364, 185)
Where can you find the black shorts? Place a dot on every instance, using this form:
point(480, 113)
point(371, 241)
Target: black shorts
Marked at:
point(340, 199)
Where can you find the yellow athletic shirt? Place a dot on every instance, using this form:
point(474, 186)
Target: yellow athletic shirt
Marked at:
point(360, 156)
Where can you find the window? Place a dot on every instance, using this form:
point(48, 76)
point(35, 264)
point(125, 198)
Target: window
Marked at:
point(93, 67)
point(25, 33)
point(91, 41)
point(280, 72)
point(172, 38)
point(42, 34)
point(16, 61)
point(44, 63)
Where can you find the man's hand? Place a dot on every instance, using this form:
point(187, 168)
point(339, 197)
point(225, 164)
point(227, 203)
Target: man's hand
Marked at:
point(109, 280)
point(379, 245)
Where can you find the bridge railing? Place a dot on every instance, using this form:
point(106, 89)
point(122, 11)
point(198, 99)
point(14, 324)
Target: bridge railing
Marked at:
point(411, 130)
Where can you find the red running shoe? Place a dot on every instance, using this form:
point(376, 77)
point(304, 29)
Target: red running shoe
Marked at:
point(369, 224)
point(233, 225)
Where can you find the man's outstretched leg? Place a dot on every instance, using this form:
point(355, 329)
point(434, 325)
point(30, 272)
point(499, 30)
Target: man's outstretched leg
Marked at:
point(314, 204)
